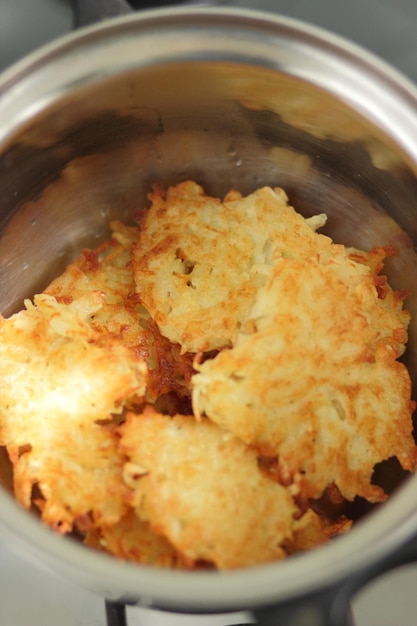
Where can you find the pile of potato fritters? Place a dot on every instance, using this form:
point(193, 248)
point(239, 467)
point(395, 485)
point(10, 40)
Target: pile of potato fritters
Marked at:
point(190, 393)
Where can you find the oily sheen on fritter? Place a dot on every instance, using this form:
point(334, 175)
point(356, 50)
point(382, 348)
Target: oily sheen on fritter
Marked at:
point(209, 388)
point(132, 539)
point(199, 261)
point(108, 271)
point(202, 488)
point(314, 381)
point(51, 402)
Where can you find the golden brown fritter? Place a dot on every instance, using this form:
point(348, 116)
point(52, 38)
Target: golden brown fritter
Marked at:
point(52, 403)
point(298, 392)
point(108, 271)
point(133, 540)
point(312, 530)
point(199, 262)
point(202, 489)
point(315, 381)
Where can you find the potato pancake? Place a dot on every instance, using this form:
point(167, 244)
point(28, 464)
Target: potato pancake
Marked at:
point(202, 489)
point(314, 380)
point(133, 540)
point(200, 262)
point(210, 388)
point(52, 403)
point(108, 271)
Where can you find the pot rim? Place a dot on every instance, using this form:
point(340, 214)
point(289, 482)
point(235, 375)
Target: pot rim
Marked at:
point(374, 538)
point(365, 73)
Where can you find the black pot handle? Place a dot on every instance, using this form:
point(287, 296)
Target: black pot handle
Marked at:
point(332, 606)
point(88, 12)
point(326, 608)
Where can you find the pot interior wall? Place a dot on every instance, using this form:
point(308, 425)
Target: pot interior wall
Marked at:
point(93, 154)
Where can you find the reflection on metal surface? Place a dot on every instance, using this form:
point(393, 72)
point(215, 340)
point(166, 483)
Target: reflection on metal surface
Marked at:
point(385, 27)
point(60, 170)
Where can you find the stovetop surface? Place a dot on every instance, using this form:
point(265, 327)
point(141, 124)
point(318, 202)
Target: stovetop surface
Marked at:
point(32, 596)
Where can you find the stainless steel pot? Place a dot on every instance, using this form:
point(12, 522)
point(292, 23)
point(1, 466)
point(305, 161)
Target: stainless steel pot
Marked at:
point(229, 98)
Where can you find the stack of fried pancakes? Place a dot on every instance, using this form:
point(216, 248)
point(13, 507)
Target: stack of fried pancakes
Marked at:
point(191, 393)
